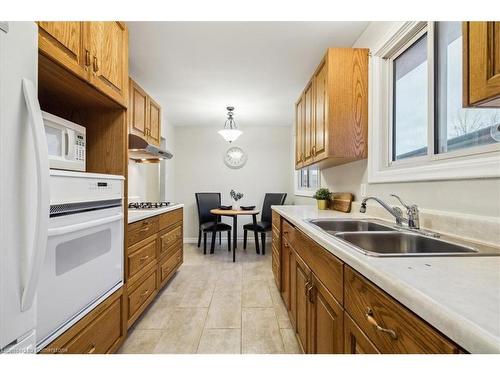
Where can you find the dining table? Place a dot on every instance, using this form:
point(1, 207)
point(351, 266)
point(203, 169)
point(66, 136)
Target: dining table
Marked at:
point(234, 214)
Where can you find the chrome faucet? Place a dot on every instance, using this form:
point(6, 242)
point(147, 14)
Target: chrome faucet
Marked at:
point(411, 211)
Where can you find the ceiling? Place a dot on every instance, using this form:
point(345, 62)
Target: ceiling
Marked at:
point(196, 69)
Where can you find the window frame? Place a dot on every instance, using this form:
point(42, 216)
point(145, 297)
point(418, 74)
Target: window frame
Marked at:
point(482, 161)
point(305, 192)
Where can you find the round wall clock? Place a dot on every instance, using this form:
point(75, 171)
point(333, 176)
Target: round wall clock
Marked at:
point(235, 157)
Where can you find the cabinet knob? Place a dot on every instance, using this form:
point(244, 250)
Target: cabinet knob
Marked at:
point(87, 57)
point(96, 65)
point(92, 348)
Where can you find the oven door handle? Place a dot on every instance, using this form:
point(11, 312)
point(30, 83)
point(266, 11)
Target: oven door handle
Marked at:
point(37, 254)
point(59, 231)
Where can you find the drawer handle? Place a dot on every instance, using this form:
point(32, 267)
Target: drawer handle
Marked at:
point(373, 322)
point(92, 348)
point(285, 232)
point(144, 258)
point(145, 293)
point(144, 230)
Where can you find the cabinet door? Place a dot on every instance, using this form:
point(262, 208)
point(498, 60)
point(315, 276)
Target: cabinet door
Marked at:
point(355, 341)
point(64, 42)
point(308, 124)
point(302, 317)
point(327, 321)
point(138, 109)
point(299, 133)
point(285, 272)
point(109, 53)
point(482, 63)
point(320, 113)
point(154, 122)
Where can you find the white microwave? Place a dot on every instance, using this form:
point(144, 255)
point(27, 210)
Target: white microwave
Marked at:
point(65, 142)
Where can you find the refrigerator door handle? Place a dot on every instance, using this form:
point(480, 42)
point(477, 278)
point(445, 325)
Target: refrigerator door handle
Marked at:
point(42, 205)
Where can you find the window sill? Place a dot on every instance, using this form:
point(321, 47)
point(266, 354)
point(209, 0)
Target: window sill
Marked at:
point(304, 193)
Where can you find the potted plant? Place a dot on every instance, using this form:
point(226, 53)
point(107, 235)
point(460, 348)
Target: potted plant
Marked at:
point(322, 195)
point(236, 197)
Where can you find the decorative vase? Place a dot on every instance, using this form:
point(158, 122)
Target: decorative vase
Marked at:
point(322, 204)
point(235, 206)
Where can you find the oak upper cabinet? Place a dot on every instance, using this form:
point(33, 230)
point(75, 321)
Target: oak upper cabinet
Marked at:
point(138, 109)
point(335, 110)
point(326, 334)
point(308, 126)
point(481, 64)
point(154, 122)
point(109, 59)
point(299, 133)
point(65, 42)
point(144, 114)
point(96, 52)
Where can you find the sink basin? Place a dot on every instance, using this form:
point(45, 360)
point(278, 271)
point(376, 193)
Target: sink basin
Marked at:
point(349, 225)
point(403, 244)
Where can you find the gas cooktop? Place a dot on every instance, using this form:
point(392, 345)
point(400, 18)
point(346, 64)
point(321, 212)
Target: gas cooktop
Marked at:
point(147, 205)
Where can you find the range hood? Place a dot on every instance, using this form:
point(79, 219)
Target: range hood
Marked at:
point(143, 152)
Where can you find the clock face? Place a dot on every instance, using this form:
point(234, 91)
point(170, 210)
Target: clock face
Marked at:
point(235, 157)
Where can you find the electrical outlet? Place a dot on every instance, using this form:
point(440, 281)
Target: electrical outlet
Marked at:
point(363, 190)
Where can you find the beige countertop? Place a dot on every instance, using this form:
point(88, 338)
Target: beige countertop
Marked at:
point(460, 296)
point(136, 215)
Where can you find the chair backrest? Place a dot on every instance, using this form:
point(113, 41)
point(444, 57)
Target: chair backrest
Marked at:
point(271, 199)
point(206, 202)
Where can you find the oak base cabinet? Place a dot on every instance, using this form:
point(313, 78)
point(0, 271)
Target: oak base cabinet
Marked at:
point(101, 331)
point(333, 309)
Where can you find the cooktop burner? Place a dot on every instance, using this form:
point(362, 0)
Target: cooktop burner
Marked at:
point(147, 205)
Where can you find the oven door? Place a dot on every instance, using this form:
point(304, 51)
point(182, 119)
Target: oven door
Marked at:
point(83, 265)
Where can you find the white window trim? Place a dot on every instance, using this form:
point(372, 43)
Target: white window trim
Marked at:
point(302, 192)
point(474, 162)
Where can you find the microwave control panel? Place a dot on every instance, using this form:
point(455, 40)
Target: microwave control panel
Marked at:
point(80, 147)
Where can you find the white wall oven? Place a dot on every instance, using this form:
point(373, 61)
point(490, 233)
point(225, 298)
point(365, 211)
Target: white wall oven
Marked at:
point(84, 257)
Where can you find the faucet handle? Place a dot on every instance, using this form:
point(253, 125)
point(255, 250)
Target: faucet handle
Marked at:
point(401, 201)
point(398, 215)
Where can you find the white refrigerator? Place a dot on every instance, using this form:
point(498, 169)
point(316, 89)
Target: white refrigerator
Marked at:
point(24, 193)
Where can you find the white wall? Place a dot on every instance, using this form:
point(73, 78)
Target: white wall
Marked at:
point(478, 197)
point(199, 167)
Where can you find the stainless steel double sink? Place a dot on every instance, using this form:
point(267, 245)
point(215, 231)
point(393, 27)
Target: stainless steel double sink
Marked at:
point(376, 238)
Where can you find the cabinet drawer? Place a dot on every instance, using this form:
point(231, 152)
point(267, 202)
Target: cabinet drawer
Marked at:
point(169, 218)
point(100, 335)
point(276, 218)
point(140, 255)
point(325, 266)
point(170, 265)
point(403, 331)
point(276, 238)
point(287, 230)
point(170, 240)
point(140, 294)
point(142, 229)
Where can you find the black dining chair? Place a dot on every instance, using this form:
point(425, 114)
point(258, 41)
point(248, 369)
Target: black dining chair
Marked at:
point(206, 202)
point(265, 223)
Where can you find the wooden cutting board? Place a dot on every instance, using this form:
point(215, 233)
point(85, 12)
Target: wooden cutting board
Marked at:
point(341, 202)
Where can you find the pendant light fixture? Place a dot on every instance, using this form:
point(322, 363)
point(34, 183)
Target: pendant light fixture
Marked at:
point(230, 132)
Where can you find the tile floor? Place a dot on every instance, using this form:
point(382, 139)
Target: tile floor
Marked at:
point(215, 306)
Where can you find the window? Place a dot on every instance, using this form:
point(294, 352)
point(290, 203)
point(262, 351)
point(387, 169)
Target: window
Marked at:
point(419, 129)
point(410, 101)
point(307, 181)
